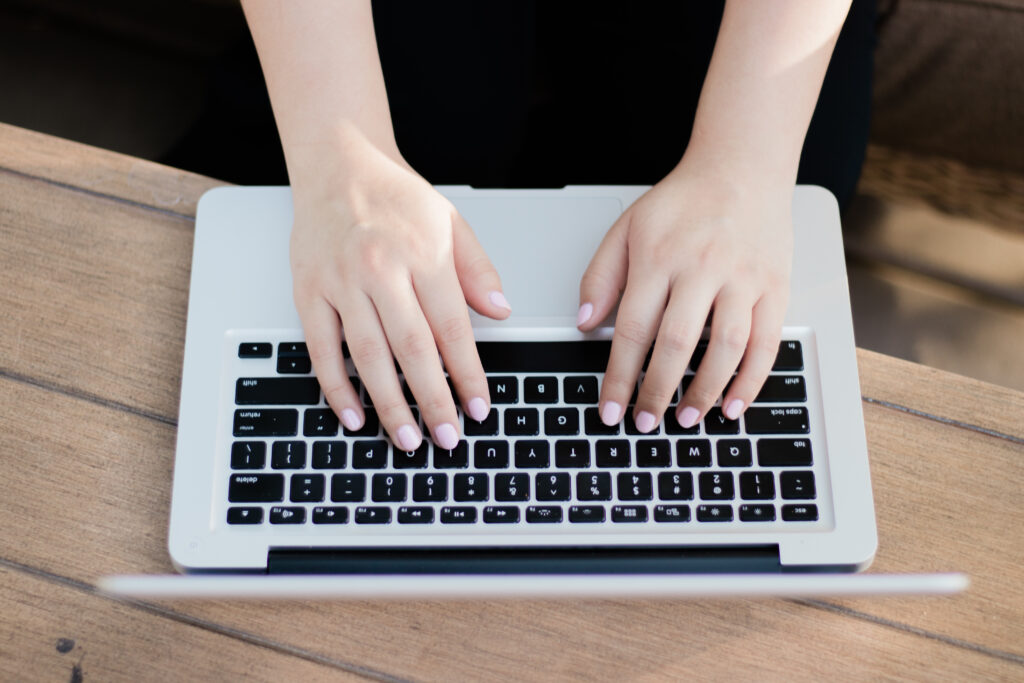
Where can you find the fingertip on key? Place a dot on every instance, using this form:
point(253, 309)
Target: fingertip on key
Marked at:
point(611, 413)
point(409, 438)
point(688, 417)
point(477, 409)
point(446, 436)
point(733, 410)
point(350, 419)
point(645, 421)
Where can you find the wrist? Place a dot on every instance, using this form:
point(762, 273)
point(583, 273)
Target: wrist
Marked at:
point(339, 156)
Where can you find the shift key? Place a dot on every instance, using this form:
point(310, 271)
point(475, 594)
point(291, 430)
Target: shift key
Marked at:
point(279, 422)
point(280, 390)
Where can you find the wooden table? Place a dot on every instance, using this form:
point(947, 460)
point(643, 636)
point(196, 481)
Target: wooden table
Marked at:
point(94, 271)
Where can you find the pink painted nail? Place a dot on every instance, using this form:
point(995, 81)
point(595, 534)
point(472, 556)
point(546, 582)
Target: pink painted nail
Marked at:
point(350, 419)
point(644, 421)
point(688, 417)
point(733, 410)
point(478, 409)
point(611, 413)
point(409, 438)
point(499, 300)
point(445, 436)
point(586, 310)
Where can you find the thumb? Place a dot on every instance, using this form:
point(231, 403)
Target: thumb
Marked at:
point(477, 275)
point(605, 277)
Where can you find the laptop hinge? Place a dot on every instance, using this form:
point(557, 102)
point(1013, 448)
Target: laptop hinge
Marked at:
point(530, 560)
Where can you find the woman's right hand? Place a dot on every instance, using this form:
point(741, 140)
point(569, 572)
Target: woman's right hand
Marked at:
point(380, 258)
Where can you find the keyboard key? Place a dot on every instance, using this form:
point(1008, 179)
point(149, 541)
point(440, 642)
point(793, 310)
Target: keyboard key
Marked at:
point(734, 453)
point(653, 453)
point(540, 390)
point(613, 453)
point(370, 455)
point(784, 453)
point(456, 458)
point(248, 455)
point(288, 455)
point(287, 515)
point(522, 422)
point(594, 486)
point(544, 357)
point(489, 427)
point(714, 513)
point(757, 513)
point(270, 422)
point(245, 515)
point(777, 421)
point(572, 453)
point(373, 515)
point(501, 514)
point(790, 357)
point(629, 513)
point(580, 389)
point(256, 488)
point(583, 514)
point(693, 453)
point(716, 486)
point(273, 391)
point(307, 488)
point(592, 425)
point(757, 486)
point(388, 488)
point(410, 460)
point(503, 389)
point(290, 349)
point(330, 515)
point(296, 365)
point(489, 455)
point(532, 454)
point(556, 486)
point(458, 515)
point(675, 486)
point(329, 455)
point(420, 514)
point(319, 422)
point(717, 423)
point(512, 487)
point(370, 427)
point(635, 486)
point(407, 393)
point(470, 487)
point(782, 389)
point(672, 425)
point(562, 421)
point(429, 487)
point(797, 485)
point(348, 488)
point(671, 513)
point(255, 350)
point(698, 354)
point(799, 513)
point(543, 514)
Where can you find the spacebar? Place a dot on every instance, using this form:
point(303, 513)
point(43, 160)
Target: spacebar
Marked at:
point(571, 356)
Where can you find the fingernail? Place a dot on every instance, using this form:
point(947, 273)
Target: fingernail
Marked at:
point(688, 417)
point(644, 421)
point(445, 436)
point(586, 310)
point(732, 411)
point(409, 438)
point(478, 409)
point(499, 300)
point(350, 419)
point(611, 413)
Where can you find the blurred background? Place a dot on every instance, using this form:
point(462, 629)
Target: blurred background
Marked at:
point(934, 235)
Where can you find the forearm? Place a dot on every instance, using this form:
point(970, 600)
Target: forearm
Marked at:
point(768, 65)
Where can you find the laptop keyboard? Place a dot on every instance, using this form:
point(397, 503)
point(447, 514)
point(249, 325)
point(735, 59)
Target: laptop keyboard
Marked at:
point(542, 456)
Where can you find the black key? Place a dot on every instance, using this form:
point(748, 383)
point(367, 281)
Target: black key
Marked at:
point(592, 425)
point(273, 391)
point(555, 486)
point(245, 515)
point(784, 453)
point(572, 453)
point(635, 486)
point(489, 427)
point(388, 488)
point(717, 423)
point(256, 488)
point(716, 486)
point(799, 513)
point(797, 485)
point(490, 455)
point(613, 453)
point(714, 513)
point(370, 455)
point(777, 421)
point(562, 421)
point(329, 455)
point(307, 488)
point(456, 458)
point(511, 487)
point(418, 514)
point(330, 515)
point(255, 350)
point(757, 513)
point(734, 453)
point(248, 455)
point(501, 514)
point(653, 453)
point(348, 488)
point(373, 515)
point(672, 425)
point(356, 384)
point(429, 487)
point(319, 422)
point(675, 486)
point(289, 349)
point(540, 390)
point(532, 454)
point(543, 514)
point(503, 389)
point(594, 486)
point(370, 427)
point(270, 422)
point(582, 514)
point(580, 389)
point(782, 389)
point(410, 460)
point(698, 354)
point(522, 422)
point(287, 515)
point(470, 487)
point(790, 358)
point(629, 513)
point(293, 365)
point(288, 455)
point(671, 513)
point(631, 425)
point(458, 515)
point(693, 453)
point(757, 486)
point(407, 392)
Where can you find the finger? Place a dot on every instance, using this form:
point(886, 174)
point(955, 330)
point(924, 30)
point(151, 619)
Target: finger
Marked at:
point(372, 357)
point(477, 275)
point(763, 346)
point(323, 341)
point(639, 316)
point(730, 330)
point(605, 277)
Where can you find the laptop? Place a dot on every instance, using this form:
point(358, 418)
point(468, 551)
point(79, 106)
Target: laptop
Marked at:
point(273, 498)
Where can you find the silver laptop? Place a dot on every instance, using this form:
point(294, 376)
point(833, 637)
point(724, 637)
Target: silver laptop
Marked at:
point(272, 497)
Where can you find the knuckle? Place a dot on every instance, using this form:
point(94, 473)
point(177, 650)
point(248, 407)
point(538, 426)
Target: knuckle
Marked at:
point(633, 333)
point(617, 385)
point(436, 404)
point(393, 411)
point(367, 349)
point(677, 339)
point(452, 331)
point(335, 392)
point(415, 346)
point(733, 338)
point(702, 396)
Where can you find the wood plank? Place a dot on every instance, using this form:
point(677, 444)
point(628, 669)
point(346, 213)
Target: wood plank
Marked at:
point(102, 171)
